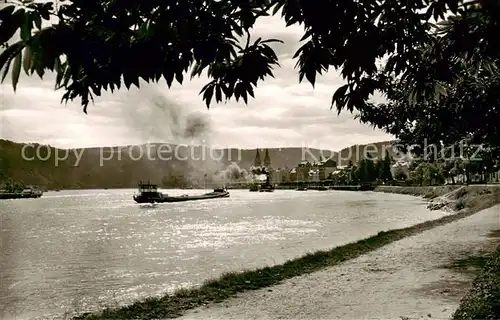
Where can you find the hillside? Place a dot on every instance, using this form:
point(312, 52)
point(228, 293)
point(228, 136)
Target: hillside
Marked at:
point(119, 167)
point(357, 153)
point(86, 168)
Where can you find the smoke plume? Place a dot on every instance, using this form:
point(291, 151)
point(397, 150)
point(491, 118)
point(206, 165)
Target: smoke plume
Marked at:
point(233, 173)
point(155, 118)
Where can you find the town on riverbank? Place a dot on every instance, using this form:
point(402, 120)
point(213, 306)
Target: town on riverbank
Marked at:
point(375, 168)
point(287, 168)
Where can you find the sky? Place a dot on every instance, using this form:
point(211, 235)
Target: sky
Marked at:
point(283, 114)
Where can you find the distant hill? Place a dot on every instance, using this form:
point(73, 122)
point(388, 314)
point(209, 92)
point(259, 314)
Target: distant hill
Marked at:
point(169, 165)
point(102, 168)
point(375, 150)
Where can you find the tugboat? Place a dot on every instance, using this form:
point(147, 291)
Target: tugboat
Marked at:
point(148, 193)
point(267, 186)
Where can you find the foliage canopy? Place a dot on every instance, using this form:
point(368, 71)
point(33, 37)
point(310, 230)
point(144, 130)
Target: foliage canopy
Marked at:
point(96, 42)
point(440, 56)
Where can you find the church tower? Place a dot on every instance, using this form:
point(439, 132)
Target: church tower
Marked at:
point(257, 162)
point(267, 165)
point(267, 159)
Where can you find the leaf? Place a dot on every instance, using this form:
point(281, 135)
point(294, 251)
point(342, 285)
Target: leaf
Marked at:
point(7, 11)
point(9, 23)
point(59, 78)
point(8, 54)
point(39, 69)
point(272, 40)
point(311, 75)
point(453, 5)
point(227, 89)
point(439, 90)
point(16, 70)
point(208, 94)
point(179, 77)
point(250, 91)
point(144, 29)
point(339, 95)
point(6, 70)
point(169, 77)
point(37, 19)
point(278, 6)
point(27, 59)
point(218, 94)
point(237, 91)
point(26, 28)
point(57, 65)
point(66, 76)
point(244, 96)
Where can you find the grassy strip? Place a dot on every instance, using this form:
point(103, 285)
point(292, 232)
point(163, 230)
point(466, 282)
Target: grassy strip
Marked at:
point(227, 286)
point(483, 300)
point(230, 284)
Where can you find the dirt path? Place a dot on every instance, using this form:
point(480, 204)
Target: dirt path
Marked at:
point(406, 279)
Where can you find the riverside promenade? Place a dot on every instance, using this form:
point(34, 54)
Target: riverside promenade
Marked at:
point(408, 279)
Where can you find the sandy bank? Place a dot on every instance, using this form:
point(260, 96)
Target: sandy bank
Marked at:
point(406, 278)
point(451, 198)
point(428, 191)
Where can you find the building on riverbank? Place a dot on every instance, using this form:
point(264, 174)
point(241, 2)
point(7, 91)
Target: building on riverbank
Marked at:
point(313, 172)
point(326, 168)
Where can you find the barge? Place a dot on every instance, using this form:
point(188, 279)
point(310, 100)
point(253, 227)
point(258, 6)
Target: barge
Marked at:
point(148, 193)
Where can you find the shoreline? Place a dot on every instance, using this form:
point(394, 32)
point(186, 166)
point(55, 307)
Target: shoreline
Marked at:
point(229, 285)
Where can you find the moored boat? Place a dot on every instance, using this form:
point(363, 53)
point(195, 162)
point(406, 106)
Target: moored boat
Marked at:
point(148, 193)
point(266, 188)
point(26, 193)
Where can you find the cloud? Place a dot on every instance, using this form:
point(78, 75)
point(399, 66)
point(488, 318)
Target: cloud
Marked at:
point(284, 113)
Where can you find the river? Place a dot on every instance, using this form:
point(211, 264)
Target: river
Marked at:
point(77, 251)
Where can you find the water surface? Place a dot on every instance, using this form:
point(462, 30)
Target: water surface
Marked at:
point(82, 250)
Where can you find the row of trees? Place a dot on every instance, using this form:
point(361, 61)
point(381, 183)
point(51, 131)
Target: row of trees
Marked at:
point(452, 171)
point(366, 171)
point(420, 171)
point(12, 186)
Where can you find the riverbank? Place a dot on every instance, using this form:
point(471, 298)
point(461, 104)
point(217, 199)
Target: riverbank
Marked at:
point(230, 285)
point(419, 277)
point(451, 198)
point(427, 192)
